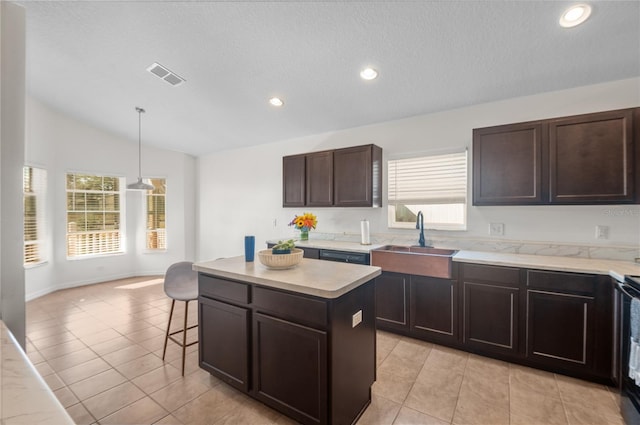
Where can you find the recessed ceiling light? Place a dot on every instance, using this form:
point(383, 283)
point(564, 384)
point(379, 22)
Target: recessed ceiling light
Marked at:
point(276, 101)
point(368, 74)
point(575, 15)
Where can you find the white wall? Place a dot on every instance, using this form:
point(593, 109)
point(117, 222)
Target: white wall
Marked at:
point(241, 190)
point(12, 141)
point(61, 144)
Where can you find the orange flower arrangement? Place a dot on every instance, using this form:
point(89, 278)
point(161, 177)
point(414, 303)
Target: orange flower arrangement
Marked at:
point(304, 222)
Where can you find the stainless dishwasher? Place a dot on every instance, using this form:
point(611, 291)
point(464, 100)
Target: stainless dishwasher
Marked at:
point(345, 257)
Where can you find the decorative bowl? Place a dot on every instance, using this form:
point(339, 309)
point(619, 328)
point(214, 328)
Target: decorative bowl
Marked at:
point(280, 261)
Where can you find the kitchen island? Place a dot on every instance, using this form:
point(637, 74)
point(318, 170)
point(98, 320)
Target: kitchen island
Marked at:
point(301, 340)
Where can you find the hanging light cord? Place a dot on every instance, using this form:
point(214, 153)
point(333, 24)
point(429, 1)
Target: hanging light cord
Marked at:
point(140, 112)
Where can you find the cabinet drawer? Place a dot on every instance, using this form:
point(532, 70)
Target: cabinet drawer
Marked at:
point(558, 281)
point(493, 274)
point(210, 286)
point(291, 307)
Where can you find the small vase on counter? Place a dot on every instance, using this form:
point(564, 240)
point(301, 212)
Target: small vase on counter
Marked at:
point(304, 235)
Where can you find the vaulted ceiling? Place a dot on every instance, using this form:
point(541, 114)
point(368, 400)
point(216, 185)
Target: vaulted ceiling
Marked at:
point(89, 59)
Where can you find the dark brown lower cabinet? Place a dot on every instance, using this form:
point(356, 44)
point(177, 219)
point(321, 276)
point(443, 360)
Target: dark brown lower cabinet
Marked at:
point(491, 308)
point(434, 308)
point(557, 321)
point(561, 329)
point(570, 322)
point(311, 358)
point(392, 302)
point(491, 317)
point(224, 322)
point(292, 379)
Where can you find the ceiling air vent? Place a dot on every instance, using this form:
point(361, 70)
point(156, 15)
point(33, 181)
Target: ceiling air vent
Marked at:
point(165, 74)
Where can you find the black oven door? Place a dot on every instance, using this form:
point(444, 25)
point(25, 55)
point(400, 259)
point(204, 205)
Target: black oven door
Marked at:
point(629, 391)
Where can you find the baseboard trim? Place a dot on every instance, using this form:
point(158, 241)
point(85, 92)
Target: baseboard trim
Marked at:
point(60, 286)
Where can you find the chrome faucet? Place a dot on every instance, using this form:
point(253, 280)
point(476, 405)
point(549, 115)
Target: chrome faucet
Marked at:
point(420, 225)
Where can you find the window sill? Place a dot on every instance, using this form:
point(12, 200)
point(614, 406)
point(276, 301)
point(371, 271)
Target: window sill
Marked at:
point(154, 251)
point(95, 256)
point(35, 265)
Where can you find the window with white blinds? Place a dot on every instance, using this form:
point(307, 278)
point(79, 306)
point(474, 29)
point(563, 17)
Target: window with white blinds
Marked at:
point(94, 205)
point(156, 214)
point(435, 185)
point(34, 185)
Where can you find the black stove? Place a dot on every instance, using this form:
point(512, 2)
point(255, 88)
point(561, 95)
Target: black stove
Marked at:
point(629, 388)
point(633, 281)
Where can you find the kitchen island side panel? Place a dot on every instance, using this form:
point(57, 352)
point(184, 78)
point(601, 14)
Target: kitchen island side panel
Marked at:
point(353, 353)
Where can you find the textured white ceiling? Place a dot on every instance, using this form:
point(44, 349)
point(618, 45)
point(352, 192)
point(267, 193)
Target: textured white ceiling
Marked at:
point(89, 59)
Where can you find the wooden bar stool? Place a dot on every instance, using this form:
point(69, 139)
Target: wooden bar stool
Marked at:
point(181, 284)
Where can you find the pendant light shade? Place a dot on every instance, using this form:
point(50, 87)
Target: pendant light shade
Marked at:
point(139, 185)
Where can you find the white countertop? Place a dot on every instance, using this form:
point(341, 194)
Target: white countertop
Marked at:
point(616, 269)
point(326, 279)
point(334, 245)
point(26, 398)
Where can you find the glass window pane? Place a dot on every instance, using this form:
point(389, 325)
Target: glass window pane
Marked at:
point(112, 221)
point(156, 205)
point(435, 185)
point(70, 203)
point(93, 214)
point(112, 202)
point(95, 202)
point(71, 178)
point(95, 221)
point(111, 184)
point(76, 222)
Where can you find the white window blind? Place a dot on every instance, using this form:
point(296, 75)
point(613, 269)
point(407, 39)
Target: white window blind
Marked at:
point(435, 185)
point(156, 214)
point(34, 184)
point(93, 215)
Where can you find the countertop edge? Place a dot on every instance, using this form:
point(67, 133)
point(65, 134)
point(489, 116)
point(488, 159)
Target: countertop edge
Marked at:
point(613, 268)
point(26, 396)
point(291, 287)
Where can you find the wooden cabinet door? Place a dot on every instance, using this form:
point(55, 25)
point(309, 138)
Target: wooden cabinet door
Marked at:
point(491, 317)
point(508, 164)
point(353, 173)
point(293, 181)
point(223, 333)
point(434, 310)
point(392, 301)
point(290, 368)
point(560, 329)
point(592, 158)
point(319, 175)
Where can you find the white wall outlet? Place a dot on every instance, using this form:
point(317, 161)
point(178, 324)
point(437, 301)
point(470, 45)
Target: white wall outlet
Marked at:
point(496, 229)
point(275, 222)
point(602, 232)
point(356, 319)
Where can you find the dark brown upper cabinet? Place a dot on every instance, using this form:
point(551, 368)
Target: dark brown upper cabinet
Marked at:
point(507, 164)
point(349, 177)
point(319, 178)
point(357, 176)
point(585, 159)
point(591, 158)
point(293, 176)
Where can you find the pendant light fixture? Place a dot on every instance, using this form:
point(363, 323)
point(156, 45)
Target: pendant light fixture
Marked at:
point(139, 185)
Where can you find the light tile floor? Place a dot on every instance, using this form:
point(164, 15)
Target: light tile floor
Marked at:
point(99, 348)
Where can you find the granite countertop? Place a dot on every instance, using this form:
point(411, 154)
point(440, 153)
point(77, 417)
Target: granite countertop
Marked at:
point(26, 398)
point(325, 279)
point(614, 268)
point(334, 245)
